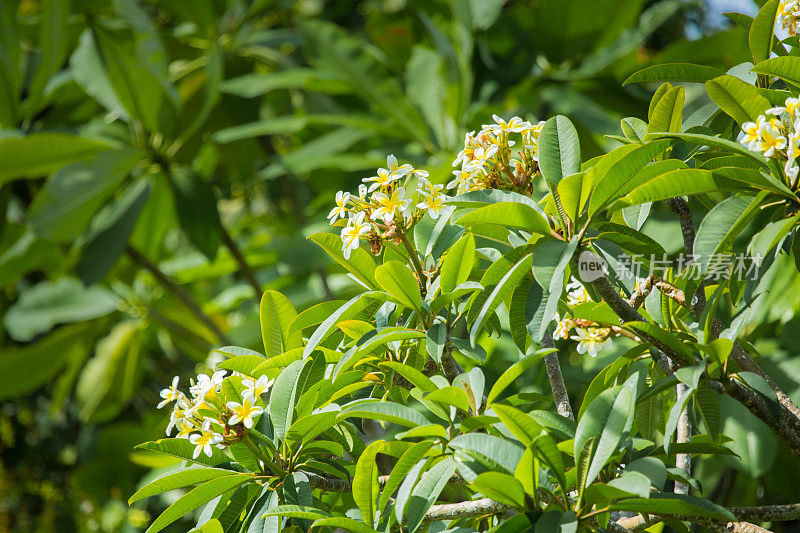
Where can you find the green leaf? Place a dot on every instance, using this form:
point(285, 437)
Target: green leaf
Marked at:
point(698, 139)
point(514, 371)
point(662, 335)
point(259, 84)
point(277, 314)
point(386, 411)
point(359, 304)
point(283, 398)
point(360, 264)
point(175, 480)
point(397, 279)
point(668, 112)
point(521, 425)
point(39, 154)
point(559, 149)
point(403, 466)
point(674, 417)
point(786, 68)
point(197, 497)
point(706, 405)
point(298, 511)
point(270, 126)
point(492, 452)
point(674, 504)
point(110, 231)
point(340, 522)
point(307, 428)
point(738, 99)
point(435, 339)
point(683, 72)
point(27, 367)
point(365, 482)
point(427, 492)
point(510, 215)
point(762, 31)
point(499, 293)
point(721, 226)
point(501, 488)
point(196, 205)
point(64, 207)
point(681, 182)
point(414, 376)
point(604, 420)
point(449, 396)
point(48, 303)
point(457, 263)
point(183, 449)
point(614, 172)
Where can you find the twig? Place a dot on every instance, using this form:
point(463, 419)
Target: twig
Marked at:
point(732, 388)
point(744, 515)
point(244, 267)
point(556, 378)
point(641, 293)
point(178, 291)
point(450, 511)
point(684, 434)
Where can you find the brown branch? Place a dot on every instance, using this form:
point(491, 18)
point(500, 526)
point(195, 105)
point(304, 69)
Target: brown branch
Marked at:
point(732, 388)
point(450, 366)
point(641, 293)
point(744, 515)
point(556, 378)
point(244, 267)
point(450, 511)
point(791, 412)
point(176, 290)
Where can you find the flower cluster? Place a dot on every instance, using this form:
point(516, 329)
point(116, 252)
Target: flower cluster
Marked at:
point(488, 161)
point(777, 136)
point(591, 338)
point(208, 417)
point(789, 15)
point(386, 205)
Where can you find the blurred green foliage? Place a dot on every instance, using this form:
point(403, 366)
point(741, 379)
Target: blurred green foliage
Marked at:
point(162, 161)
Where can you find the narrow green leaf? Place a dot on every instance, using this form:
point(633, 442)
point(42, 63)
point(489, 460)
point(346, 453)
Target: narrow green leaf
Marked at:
point(360, 264)
point(514, 371)
point(501, 488)
point(365, 482)
point(283, 398)
point(398, 280)
point(174, 480)
point(738, 99)
point(277, 313)
point(559, 149)
point(682, 72)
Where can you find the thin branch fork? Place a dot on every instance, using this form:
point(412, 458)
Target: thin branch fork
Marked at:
point(733, 388)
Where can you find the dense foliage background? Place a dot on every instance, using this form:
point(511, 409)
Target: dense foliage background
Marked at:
point(161, 163)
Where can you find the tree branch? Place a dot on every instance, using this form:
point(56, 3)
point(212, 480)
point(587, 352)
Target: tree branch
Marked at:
point(553, 368)
point(451, 511)
point(244, 267)
point(177, 290)
point(744, 515)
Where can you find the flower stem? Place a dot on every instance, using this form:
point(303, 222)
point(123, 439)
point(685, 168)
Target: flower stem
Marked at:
point(414, 258)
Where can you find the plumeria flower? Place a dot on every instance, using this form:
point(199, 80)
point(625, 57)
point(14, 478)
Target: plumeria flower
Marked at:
point(244, 412)
point(381, 180)
point(388, 205)
point(789, 15)
point(515, 125)
point(352, 233)
point(258, 387)
point(771, 138)
point(207, 385)
point(480, 157)
point(591, 340)
point(432, 204)
point(401, 170)
point(185, 428)
point(465, 155)
point(204, 440)
point(576, 293)
point(171, 394)
point(563, 328)
point(750, 129)
point(340, 211)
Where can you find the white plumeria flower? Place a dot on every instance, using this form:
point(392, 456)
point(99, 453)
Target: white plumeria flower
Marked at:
point(171, 394)
point(204, 440)
point(563, 328)
point(352, 233)
point(244, 412)
point(771, 138)
point(389, 205)
point(340, 211)
point(381, 180)
point(207, 385)
point(463, 181)
point(258, 387)
point(591, 340)
point(464, 155)
point(401, 170)
point(433, 204)
point(185, 428)
point(576, 293)
point(480, 156)
point(515, 125)
point(750, 129)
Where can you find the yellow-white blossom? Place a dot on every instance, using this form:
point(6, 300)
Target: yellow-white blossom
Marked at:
point(340, 211)
point(170, 394)
point(388, 205)
point(591, 340)
point(207, 385)
point(257, 387)
point(352, 233)
point(789, 16)
point(245, 411)
point(204, 440)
